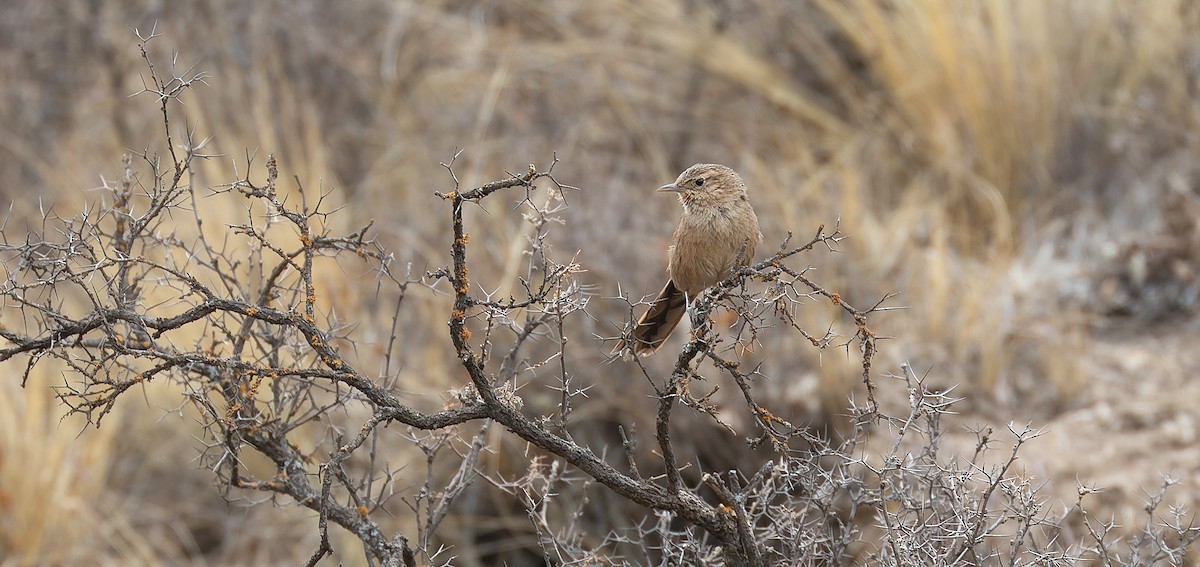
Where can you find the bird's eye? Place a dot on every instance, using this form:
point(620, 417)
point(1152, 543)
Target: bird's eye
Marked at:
point(699, 181)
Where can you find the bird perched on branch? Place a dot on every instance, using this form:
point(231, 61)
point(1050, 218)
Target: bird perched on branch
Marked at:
point(718, 230)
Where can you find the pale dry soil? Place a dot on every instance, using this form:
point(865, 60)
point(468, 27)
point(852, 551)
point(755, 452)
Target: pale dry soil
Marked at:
point(1134, 420)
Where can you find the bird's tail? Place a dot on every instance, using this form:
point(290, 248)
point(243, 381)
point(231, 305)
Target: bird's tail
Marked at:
point(659, 321)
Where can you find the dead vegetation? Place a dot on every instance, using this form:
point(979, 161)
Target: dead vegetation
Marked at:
point(1019, 172)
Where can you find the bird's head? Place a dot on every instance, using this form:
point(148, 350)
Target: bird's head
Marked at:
point(706, 184)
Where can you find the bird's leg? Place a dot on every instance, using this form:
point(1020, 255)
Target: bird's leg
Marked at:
point(701, 327)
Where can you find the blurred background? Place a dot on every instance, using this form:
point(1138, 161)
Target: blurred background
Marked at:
point(1023, 173)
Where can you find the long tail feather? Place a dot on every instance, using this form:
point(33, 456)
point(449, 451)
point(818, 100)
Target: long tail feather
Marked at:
point(660, 320)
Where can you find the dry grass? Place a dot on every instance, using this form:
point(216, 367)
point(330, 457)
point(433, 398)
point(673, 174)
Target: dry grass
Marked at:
point(981, 155)
point(54, 480)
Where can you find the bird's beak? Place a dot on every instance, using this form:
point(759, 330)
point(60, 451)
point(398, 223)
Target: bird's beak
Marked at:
point(670, 188)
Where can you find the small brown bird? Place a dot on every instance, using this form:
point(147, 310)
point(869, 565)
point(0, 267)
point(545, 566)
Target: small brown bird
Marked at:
point(718, 230)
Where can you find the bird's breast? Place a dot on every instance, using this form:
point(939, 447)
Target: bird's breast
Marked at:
point(707, 244)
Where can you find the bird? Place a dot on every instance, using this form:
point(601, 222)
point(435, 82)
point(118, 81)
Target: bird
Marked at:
point(717, 232)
